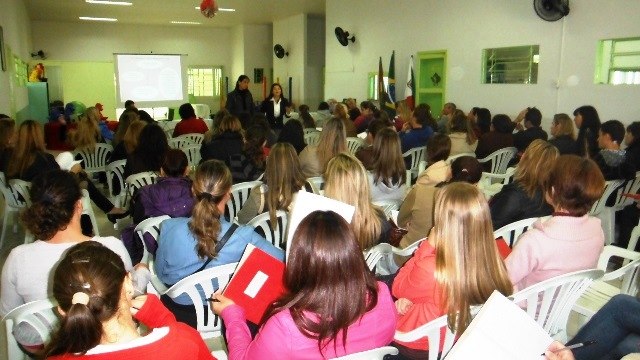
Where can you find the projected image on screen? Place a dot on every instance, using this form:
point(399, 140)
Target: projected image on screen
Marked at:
point(149, 77)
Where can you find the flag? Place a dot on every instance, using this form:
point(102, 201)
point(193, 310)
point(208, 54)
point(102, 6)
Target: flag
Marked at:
point(392, 78)
point(410, 89)
point(383, 98)
point(380, 82)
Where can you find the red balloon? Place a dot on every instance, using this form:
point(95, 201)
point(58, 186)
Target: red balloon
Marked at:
point(209, 8)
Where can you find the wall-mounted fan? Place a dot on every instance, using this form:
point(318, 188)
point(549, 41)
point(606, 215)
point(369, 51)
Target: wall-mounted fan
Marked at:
point(280, 51)
point(343, 36)
point(551, 10)
point(39, 55)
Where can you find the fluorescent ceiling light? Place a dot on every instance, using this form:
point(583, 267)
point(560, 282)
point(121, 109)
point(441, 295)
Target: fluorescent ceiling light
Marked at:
point(89, 18)
point(186, 22)
point(219, 9)
point(107, 2)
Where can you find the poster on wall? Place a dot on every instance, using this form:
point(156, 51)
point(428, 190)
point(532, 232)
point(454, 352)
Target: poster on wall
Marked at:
point(257, 75)
point(3, 59)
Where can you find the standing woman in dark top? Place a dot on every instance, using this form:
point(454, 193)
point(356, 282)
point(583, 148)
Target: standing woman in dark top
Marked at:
point(28, 157)
point(564, 135)
point(588, 123)
point(240, 100)
point(275, 107)
point(150, 152)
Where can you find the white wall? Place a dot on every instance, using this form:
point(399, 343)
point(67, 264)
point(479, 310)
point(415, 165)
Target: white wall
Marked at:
point(464, 28)
point(291, 34)
point(17, 36)
point(314, 66)
point(251, 48)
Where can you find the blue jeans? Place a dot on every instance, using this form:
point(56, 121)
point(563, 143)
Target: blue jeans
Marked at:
point(616, 328)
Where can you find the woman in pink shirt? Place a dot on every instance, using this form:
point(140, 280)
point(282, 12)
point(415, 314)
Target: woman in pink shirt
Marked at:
point(568, 241)
point(333, 306)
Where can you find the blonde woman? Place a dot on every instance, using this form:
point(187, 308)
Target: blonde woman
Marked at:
point(341, 113)
point(129, 141)
point(346, 180)
point(387, 178)
point(333, 141)
point(564, 134)
point(127, 117)
point(88, 132)
point(28, 157)
point(463, 139)
point(283, 179)
point(524, 197)
point(456, 268)
point(189, 245)
point(225, 140)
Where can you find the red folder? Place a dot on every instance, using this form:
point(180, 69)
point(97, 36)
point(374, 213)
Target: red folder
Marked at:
point(256, 283)
point(503, 247)
point(633, 196)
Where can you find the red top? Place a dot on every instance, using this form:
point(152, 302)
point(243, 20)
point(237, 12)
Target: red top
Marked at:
point(181, 341)
point(190, 126)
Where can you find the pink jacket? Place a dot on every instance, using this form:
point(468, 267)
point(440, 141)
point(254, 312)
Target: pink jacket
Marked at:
point(557, 246)
point(279, 338)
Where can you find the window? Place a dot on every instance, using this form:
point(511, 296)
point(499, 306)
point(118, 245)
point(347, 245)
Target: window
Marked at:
point(373, 85)
point(511, 65)
point(205, 81)
point(20, 72)
point(618, 62)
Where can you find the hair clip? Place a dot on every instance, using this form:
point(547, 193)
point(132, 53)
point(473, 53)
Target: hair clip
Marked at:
point(205, 196)
point(76, 261)
point(80, 298)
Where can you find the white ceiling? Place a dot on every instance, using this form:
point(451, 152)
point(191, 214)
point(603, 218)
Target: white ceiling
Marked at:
point(162, 12)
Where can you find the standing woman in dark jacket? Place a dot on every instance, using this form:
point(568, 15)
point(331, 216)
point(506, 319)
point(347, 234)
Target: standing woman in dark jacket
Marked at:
point(223, 141)
point(588, 124)
point(524, 197)
point(275, 107)
point(240, 100)
point(564, 135)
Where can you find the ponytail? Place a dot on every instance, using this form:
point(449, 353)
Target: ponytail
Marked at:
point(80, 330)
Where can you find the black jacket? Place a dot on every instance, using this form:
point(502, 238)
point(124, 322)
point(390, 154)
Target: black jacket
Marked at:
point(267, 108)
point(512, 204)
point(222, 146)
point(522, 139)
point(565, 145)
point(239, 102)
point(616, 164)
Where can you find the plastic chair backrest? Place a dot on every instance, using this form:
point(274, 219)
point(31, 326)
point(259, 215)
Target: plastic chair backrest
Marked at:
point(95, 160)
point(194, 138)
point(609, 187)
point(312, 138)
point(500, 159)
point(387, 206)
point(115, 170)
point(149, 226)
point(275, 235)
point(630, 187)
point(433, 330)
point(450, 159)
point(239, 195)
point(179, 142)
point(200, 286)
point(511, 232)
point(628, 272)
point(21, 188)
point(317, 184)
point(354, 144)
point(136, 181)
point(310, 130)
point(11, 197)
point(550, 302)
point(39, 314)
point(376, 253)
point(193, 154)
point(373, 354)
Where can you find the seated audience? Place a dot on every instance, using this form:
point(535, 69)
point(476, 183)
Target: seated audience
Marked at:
point(189, 123)
point(223, 141)
point(365, 153)
point(249, 165)
point(129, 142)
point(416, 211)
point(88, 133)
point(293, 134)
point(457, 267)
point(446, 115)
point(524, 198)
point(573, 185)
point(498, 138)
point(305, 117)
point(346, 180)
point(149, 154)
point(632, 140)
point(7, 139)
point(419, 129)
point(28, 157)
point(367, 110)
point(627, 218)
point(614, 162)
point(588, 124)
point(126, 118)
point(303, 322)
point(341, 113)
point(564, 135)
point(483, 121)
point(100, 313)
point(333, 141)
point(438, 150)
point(403, 115)
point(532, 118)
point(388, 175)
point(189, 245)
point(323, 114)
point(144, 116)
point(463, 139)
point(283, 179)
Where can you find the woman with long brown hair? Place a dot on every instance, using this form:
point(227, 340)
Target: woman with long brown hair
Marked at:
point(340, 111)
point(387, 178)
point(324, 313)
point(333, 141)
point(250, 163)
point(457, 267)
point(129, 143)
point(188, 245)
point(28, 157)
point(224, 140)
point(88, 132)
point(283, 179)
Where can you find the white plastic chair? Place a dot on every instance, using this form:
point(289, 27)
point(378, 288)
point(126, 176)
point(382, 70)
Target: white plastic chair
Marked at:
point(373, 354)
point(193, 154)
point(354, 144)
point(500, 159)
point(450, 159)
point(317, 184)
point(604, 213)
point(312, 138)
point(12, 205)
point(550, 302)
point(511, 232)
point(179, 142)
point(275, 235)
point(387, 206)
point(433, 331)
point(20, 190)
point(115, 171)
point(310, 130)
point(136, 181)
point(87, 209)
point(39, 314)
point(491, 184)
point(239, 195)
point(193, 137)
point(203, 281)
point(602, 290)
point(607, 215)
point(380, 260)
point(415, 155)
point(149, 226)
point(376, 253)
point(95, 160)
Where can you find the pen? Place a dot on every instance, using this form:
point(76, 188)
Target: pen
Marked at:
point(574, 346)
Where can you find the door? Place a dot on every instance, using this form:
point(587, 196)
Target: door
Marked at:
point(432, 80)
